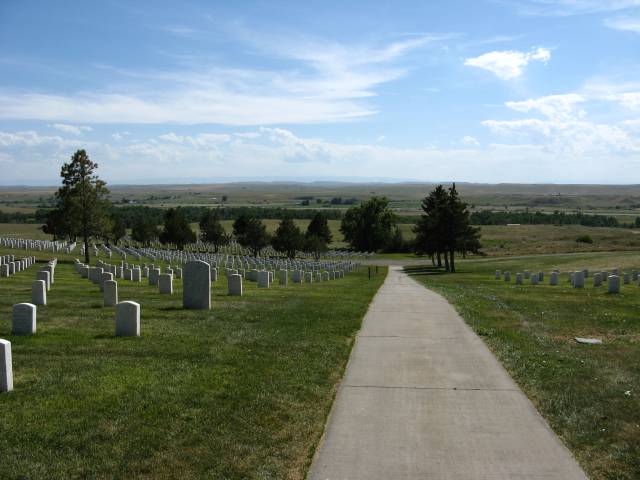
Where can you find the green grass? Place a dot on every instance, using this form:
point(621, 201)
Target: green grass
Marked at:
point(579, 389)
point(241, 391)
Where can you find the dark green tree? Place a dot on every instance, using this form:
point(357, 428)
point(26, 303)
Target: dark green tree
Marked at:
point(176, 229)
point(144, 230)
point(251, 233)
point(444, 227)
point(82, 200)
point(461, 237)
point(369, 226)
point(58, 225)
point(319, 227)
point(118, 229)
point(430, 228)
point(212, 231)
point(288, 238)
point(315, 245)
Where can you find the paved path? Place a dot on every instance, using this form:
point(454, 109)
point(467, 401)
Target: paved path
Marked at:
point(423, 398)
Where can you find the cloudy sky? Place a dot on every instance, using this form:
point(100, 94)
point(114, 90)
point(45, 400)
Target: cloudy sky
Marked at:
point(476, 90)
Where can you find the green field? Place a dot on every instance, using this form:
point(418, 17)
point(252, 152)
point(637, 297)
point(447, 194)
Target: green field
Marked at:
point(241, 391)
point(589, 394)
point(404, 197)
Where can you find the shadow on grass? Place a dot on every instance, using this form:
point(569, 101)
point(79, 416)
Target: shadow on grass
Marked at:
point(420, 270)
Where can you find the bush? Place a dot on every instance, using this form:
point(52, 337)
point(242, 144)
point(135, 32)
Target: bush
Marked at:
point(584, 239)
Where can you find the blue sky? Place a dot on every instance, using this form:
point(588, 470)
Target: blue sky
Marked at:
point(483, 91)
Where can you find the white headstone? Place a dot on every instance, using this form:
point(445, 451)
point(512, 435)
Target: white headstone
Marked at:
point(263, 279)
point(234, 283)
point(196, 290)
point(614, 284)
point(39, 292)
point(6, 366)
point(128, 319)
point(110, 295)
point(44, 275)
point(24, 319)
point(165, 283)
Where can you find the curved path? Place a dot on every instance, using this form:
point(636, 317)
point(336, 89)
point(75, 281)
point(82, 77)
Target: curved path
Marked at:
point(424, 398)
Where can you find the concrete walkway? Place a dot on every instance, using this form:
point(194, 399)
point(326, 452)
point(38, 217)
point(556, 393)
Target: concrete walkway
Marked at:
point(423, 398)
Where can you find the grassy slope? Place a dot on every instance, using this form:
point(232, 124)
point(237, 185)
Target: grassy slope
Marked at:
point(241, 391)
point(579, 389)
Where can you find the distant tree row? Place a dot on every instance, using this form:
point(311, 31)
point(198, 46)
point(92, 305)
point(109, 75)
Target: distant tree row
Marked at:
point(488, 217)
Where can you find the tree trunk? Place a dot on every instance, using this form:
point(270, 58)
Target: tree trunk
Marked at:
point(446, 261)
point(439, 260)
point(453, 262)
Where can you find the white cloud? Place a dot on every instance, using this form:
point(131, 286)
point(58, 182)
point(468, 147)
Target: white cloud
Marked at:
point(73, 129)
point(628, 24)
point(508, 64)
point(565, 128)
point(630, 100)
point(327, 82)
point(470, 141)
point(552, 106)
point(118, 136)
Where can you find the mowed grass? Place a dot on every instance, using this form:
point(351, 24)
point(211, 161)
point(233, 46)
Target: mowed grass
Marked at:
point(241, 391)
point(590, 395)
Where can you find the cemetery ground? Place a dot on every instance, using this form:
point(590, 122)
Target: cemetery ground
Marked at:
point(589, 394)
point(241, 391)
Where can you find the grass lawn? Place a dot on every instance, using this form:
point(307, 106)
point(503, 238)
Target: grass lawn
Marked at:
point(241, 391)
point(590, 395)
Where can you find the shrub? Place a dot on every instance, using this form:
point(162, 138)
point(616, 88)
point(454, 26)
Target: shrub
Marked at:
point(584, 239)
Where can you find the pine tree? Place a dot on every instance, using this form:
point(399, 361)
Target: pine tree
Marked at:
point(82, 201)
point(319, 227)
point(177, 229)
point(251, 233)
point(288, 238)
point(212, 231)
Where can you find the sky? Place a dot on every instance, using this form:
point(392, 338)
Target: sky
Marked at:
point(492, 91)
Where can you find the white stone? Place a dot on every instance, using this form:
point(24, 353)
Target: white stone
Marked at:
point(154, 273)
point(597, 279)
point(497, 274)
point(196, 290)
point(105, 277)
point(4, 270)
point(263, 279)
point(44, 275)
point(136, 274)
point(614, 284)
point(165, 283)
point(39, 292)
point(507, 276)
point(553, 279)
point(110, 295)
point(234, 284)
point(23, 319)
point(578, 279)
point(6, 366)
point(128, 319)
point(308, 277)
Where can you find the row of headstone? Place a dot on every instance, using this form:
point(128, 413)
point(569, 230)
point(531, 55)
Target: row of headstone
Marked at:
point(9, 265)
point(576, 279)
point(40, 245)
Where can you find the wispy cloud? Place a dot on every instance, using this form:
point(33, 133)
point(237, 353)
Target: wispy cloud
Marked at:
point(628, 24)
point(508, 64)
point(73, 129)
point(330, 82)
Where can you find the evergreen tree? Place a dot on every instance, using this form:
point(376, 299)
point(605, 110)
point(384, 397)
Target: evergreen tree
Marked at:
point(444, 227)
point(369, 226)
point(288, 238)
point(177, 229)
point(212, 231)
point(144, 230)
point(118, 229)
point(82, 201)
point(319, 227)
point(251, 233)
point(315, 245)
